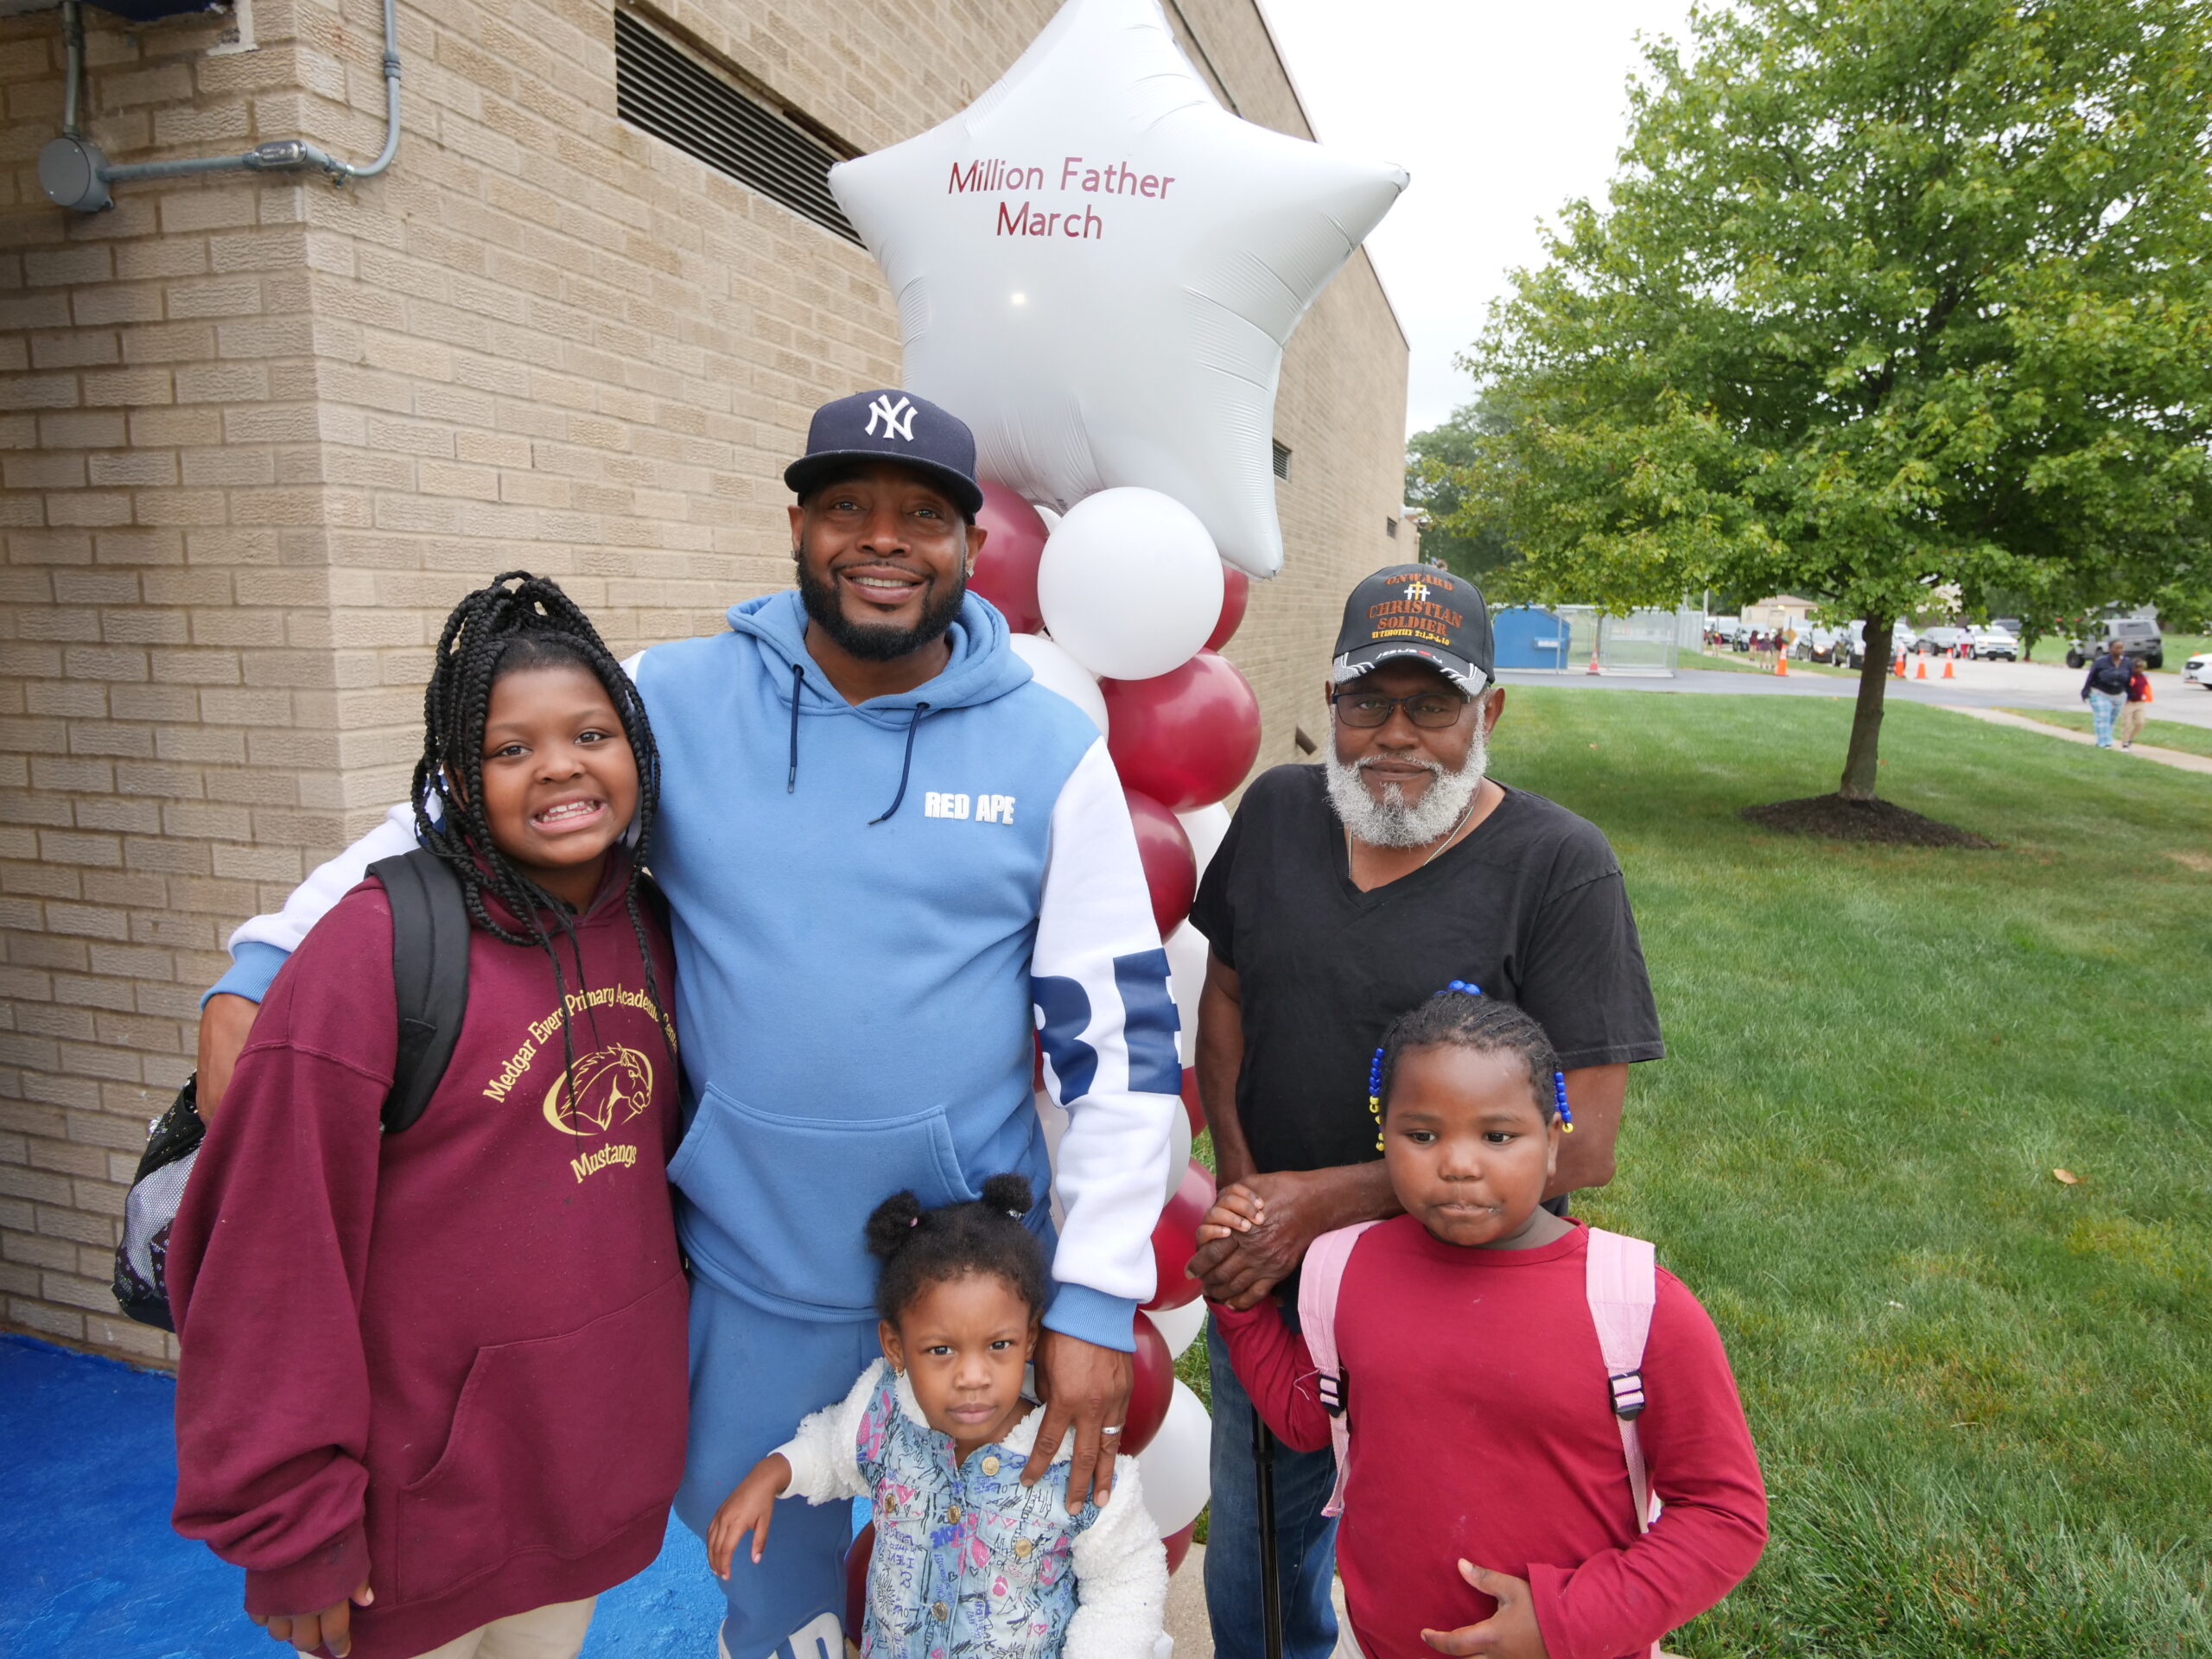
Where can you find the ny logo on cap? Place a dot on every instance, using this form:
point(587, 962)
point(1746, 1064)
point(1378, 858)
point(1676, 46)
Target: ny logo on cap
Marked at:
point(898, 418)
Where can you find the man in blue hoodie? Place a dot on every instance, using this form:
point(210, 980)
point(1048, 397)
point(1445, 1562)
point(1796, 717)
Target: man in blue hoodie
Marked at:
point(890, 855)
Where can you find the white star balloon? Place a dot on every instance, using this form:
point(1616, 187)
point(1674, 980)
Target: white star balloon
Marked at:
point(1097, 266)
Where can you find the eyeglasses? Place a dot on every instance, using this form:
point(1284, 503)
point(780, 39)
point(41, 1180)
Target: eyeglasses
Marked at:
point(1368, 709)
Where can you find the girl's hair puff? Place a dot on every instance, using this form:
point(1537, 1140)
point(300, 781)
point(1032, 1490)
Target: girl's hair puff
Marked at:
point(1481, 1025)
point(920, 1247)
point(495, 631)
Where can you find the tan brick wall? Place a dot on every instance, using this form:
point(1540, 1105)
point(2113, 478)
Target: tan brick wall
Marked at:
point(256, 435)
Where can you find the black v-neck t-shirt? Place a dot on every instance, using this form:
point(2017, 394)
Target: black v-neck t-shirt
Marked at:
point(1530, 905)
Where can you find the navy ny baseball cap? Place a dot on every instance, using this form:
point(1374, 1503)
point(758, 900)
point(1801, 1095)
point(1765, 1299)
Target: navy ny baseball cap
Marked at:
point(895, 426)
point(1423, 613)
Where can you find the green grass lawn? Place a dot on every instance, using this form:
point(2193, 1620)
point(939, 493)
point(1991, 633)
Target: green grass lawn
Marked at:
point(1730, 662)
point(1983, 1398)
point(2164, 733)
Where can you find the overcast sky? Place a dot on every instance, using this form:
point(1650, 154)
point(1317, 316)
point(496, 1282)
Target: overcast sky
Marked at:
point(1502, 111)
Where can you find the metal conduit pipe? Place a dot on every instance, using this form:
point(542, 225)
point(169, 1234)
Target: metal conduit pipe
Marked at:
point(74, 173)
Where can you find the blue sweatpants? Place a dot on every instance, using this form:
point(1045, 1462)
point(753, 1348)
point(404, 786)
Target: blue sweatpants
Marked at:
point(754, 1374)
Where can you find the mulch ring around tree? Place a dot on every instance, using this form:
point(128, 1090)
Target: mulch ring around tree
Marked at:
point(1837, 819)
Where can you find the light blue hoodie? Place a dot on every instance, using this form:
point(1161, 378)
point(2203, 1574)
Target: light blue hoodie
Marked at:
point(869, 901)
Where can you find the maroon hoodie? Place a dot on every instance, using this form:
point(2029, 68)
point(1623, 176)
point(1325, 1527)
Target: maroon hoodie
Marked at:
point(451, 1361)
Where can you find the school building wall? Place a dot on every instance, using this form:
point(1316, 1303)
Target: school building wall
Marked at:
point(256, 434)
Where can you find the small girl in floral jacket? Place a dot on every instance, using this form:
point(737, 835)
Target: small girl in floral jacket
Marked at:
point(968, 1562)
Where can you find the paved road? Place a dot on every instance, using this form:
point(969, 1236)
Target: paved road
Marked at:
point(1978, 685)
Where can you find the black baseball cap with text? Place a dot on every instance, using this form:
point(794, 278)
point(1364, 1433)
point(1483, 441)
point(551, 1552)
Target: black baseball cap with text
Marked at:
point(852, 432)
point(1422, 613)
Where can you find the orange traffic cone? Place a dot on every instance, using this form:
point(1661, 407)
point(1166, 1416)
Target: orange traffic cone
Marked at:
point(1947, 670)
point(1782, 663)
point(1922, 674)
point(1900, 665)
point(1592, 669)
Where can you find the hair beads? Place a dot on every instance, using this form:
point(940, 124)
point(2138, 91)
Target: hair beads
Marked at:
point(1461, 1016)
point(1375, 1067)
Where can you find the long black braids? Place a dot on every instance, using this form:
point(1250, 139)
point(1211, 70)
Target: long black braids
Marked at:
point(493, 632)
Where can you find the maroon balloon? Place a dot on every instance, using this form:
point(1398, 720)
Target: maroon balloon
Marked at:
point(1171, 869)
point(1152, 1390)
point(1175, 1238)
point(1186, 737)
point(1178, 1543)
point(1236, 594)
point(856, 1560)
point(1193, 1108)
point(1005, 570)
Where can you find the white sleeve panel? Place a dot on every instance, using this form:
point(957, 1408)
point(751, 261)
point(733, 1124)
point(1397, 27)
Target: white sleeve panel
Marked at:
point(1099, 978)
point(824, 1455)
point(312, 900)
point(1121, 1577)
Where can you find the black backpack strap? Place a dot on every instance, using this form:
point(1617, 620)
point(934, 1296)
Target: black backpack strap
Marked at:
point(429, 971)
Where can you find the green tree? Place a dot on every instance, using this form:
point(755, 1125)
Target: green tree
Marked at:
point(1887, 295)
point(1439, 464)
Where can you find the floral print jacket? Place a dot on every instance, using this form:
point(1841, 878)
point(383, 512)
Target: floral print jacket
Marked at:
point(968, 1562)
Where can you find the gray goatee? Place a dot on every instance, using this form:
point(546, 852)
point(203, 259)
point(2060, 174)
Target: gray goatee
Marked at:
point(1390, 821)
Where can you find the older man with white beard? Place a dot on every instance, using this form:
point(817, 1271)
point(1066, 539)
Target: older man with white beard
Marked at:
point(1342, 895)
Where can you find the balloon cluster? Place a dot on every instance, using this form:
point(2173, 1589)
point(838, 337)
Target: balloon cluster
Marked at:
point(1121, 608)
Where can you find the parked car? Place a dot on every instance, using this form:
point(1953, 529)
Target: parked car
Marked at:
point(1992, 642)
point(1851, 649)
point(1819, 643)
point(1941, 639)
point(2197, 671)
point(2138, 637)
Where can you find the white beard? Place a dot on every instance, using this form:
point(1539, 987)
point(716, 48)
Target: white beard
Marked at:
point(1390, 822)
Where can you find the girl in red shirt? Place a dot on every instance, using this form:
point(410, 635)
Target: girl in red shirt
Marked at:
point(1488, 1507)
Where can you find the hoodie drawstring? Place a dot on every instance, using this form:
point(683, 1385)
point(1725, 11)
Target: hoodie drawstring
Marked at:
point(904, 767)
point(798, 678)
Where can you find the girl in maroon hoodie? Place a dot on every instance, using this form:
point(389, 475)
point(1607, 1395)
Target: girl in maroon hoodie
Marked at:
point(433, 1388)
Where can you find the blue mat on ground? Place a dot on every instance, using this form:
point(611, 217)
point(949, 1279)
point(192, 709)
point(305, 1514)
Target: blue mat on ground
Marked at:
point(88, 1564)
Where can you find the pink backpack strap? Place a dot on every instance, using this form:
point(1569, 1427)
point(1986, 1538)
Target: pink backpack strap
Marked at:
point(1622, 1284)
point(1320, 1276)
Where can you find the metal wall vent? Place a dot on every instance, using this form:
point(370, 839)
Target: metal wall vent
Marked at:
point(664, 90)
point(1282, 461)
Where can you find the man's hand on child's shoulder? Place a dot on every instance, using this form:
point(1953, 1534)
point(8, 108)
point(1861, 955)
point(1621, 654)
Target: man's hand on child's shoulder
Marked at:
point(1508, 1633)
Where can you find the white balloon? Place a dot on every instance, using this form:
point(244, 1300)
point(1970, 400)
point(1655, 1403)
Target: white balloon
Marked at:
point(1205, 826)
point(1096, 267)
point(1129, 584)
point(1178, 1151)
point(1174, 1467)
point(1179, 1327)
point(1054, 1118)
point(1186, 978)
point(1058, 671)
point(1052, 519)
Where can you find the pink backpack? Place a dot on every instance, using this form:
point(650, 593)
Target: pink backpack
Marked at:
point(1622, 1284)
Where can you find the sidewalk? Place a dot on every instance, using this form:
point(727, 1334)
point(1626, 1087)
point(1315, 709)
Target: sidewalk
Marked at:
point(2180, 758)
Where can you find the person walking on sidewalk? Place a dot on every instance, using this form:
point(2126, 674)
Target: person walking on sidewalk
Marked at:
point(2137, 709)
point(2105, 688)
